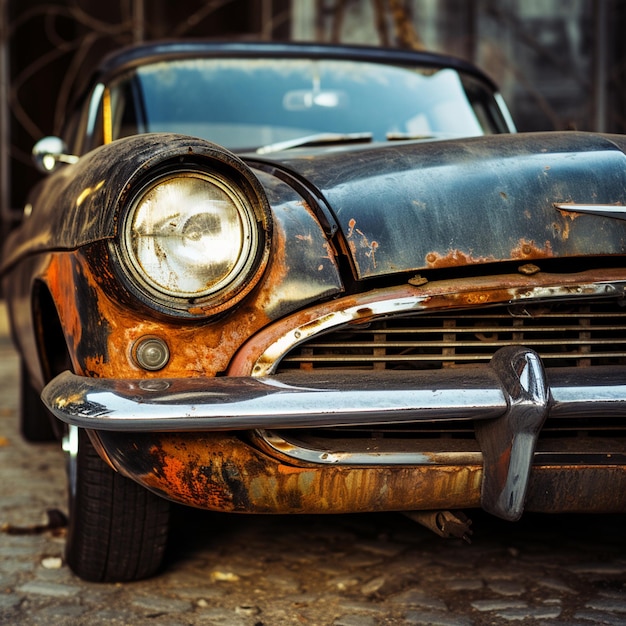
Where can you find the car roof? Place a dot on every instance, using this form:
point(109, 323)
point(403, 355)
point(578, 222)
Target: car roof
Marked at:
point(142, 54)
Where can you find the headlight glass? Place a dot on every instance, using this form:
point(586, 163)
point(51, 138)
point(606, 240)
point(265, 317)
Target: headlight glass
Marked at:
point(190, 235)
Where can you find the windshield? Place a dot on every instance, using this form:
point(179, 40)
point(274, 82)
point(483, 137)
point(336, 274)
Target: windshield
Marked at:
point(246, 103)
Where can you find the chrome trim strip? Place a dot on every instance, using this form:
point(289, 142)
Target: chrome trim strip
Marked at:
point(504, 110)
point(288, 401)
point(320, 400)
point(267, 363)
point(603, 210)
point(281, 446)
point(287, 447)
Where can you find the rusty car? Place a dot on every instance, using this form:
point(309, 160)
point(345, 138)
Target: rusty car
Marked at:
point(298, 278)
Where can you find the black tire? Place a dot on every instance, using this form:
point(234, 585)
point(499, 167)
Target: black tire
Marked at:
point(117, 529)
point(35, 419)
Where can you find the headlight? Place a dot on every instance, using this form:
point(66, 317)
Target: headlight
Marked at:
point(193, 241)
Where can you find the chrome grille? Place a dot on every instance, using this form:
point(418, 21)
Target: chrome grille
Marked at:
point(564, 335)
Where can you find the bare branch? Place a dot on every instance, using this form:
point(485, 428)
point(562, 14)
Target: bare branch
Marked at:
point(381, 22)
point(406, 34)
point(337, 23)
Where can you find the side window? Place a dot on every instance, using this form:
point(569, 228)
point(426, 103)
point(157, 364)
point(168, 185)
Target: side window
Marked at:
point(126, 109)
point(92, 135)
point(75, 127)
point(114, 111)
point(484, 106)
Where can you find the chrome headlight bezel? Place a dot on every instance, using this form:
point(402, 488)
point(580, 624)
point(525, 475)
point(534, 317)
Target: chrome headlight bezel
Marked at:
point(247, 206)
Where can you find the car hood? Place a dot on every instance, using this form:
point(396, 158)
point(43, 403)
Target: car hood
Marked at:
point(421, 205)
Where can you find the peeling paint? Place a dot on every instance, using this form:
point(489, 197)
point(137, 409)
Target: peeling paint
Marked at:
point(362, 245)
point(454, 258)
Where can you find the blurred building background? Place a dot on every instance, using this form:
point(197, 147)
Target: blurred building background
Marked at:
point(561, 64)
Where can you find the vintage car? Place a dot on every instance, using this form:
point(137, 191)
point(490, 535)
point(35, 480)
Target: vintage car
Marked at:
point(295, 278)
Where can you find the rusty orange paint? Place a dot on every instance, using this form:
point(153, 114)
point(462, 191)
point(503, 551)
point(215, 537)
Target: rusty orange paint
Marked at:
point(563, 228)
point(569, 215)
point(363, 243)
point(220, 472)
point(60, 280)
point(529, 250)
point(454, 258)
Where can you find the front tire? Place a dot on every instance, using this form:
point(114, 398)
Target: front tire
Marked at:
point(118, 529)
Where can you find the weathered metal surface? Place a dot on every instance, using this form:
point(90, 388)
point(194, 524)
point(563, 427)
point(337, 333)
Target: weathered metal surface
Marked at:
point(453, 203)
point(223, 473)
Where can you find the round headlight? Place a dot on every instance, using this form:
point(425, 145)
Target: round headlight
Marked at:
point(191, 237)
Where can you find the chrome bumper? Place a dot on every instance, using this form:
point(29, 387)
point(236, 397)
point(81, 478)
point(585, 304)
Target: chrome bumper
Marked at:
point(509, 402)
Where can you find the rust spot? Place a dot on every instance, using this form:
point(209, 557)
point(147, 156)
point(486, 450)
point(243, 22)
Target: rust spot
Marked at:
point(476, 298)
point(571, 215)
point(527, 249)
point(307, 328)
point(454, 258)
point(563, 230)
point(363, 243)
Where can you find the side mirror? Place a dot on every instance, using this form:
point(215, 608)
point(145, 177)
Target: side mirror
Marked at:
point(49, 152)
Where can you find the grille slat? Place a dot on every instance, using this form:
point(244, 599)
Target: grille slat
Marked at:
point(563, 335)
point(373, 358)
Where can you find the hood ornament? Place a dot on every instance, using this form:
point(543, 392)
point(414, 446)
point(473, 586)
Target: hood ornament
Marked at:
point(613, 211)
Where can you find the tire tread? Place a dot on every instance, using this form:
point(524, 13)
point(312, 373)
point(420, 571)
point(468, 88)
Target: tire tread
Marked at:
point(118, 529)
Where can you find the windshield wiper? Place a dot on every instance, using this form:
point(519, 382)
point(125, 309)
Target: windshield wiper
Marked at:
point(395, 136)
point(315, 140)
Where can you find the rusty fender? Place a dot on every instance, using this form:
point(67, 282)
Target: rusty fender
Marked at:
point(221, 472)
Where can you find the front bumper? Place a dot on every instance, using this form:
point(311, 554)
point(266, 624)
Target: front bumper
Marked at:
point(508, 401)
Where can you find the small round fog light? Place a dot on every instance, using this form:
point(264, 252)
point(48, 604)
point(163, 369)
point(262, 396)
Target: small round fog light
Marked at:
point(151, 353)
